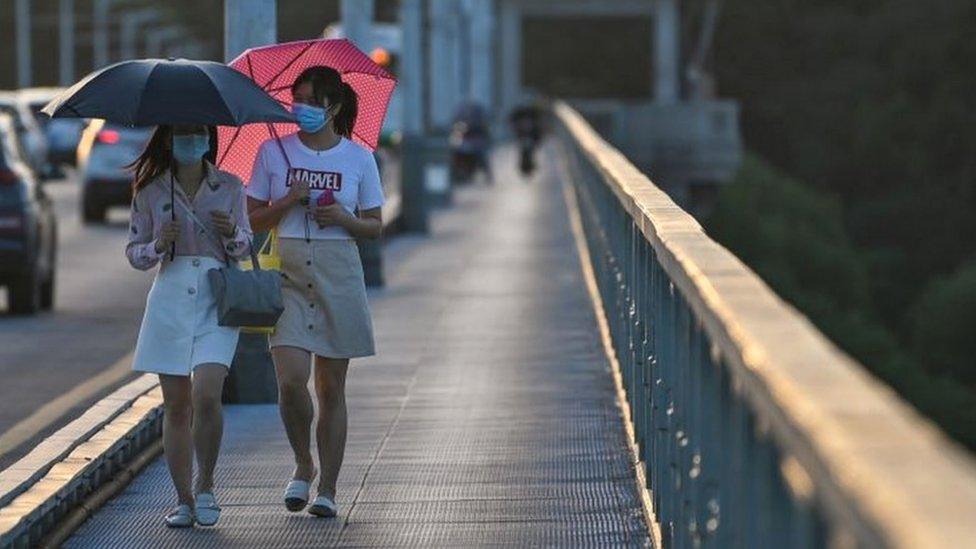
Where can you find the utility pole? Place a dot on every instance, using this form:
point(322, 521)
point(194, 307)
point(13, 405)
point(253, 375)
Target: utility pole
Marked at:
point(156, 40)
point(250, 23)
point(22, 30)
point(100, 32)
point(357, 19)
point(666, 51)
point(129, 28)
point(66, 42)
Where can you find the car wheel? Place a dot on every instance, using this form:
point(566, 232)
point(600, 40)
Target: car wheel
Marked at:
point(92, 212)
point(25, 294)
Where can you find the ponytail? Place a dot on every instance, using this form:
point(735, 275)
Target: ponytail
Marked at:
point(346, 117)
point(328, 88)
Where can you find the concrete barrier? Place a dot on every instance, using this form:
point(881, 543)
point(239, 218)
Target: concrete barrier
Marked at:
point(60, 474)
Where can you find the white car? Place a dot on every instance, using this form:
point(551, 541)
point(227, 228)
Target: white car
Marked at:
point(29, 134)
point(62, 134)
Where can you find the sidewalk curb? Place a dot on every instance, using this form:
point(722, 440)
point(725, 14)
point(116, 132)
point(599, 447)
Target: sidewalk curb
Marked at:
point(63, 471)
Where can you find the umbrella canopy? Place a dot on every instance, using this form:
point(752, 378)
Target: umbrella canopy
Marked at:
point(148, 92)
point(275, 69)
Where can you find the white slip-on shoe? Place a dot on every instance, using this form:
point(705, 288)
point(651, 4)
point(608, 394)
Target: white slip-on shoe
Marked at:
point(323, 506)
point(181, 517)
point(296, 495)
point(207, 511)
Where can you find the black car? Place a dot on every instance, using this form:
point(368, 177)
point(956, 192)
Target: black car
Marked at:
point(28, 234)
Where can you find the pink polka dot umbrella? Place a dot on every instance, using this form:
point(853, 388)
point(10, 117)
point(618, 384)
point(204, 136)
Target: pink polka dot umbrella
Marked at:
point(275, 67)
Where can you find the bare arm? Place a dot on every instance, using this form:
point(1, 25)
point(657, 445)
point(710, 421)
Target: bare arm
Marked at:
point(368, 225)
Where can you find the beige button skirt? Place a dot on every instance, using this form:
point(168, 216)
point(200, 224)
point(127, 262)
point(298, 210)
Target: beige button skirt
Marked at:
point(326, 311)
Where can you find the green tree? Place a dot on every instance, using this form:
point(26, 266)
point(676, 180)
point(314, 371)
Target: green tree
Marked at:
point(945, 325)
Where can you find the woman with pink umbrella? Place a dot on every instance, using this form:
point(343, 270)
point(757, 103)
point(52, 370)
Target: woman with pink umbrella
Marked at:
point(321, 191)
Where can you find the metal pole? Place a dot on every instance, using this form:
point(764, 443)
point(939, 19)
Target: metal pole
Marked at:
point(128, 31)
point(156, 39)
point(357, 18)
point(22, 30)
point(100, 32)
point(666, 51)
point(250, 23)
point(66, 38)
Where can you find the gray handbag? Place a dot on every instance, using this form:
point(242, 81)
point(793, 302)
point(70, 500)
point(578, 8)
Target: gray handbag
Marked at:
point(247, 298)
point(244, 298)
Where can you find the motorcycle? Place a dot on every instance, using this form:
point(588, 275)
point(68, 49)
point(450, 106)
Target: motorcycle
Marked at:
point(469, 142)
point(527, 126)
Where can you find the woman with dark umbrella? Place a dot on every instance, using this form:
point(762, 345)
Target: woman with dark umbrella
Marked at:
point(188, 217)
point(180, 339)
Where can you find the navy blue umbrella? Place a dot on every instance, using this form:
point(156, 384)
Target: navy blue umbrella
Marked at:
point(149, 92)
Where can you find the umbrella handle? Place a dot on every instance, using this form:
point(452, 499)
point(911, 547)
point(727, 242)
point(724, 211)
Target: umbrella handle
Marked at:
point(172, 214)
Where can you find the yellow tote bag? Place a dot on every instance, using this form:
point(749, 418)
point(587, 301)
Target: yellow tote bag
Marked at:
point(268, 259)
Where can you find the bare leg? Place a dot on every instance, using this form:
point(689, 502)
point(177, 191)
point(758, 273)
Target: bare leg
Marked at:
point(292, 366)
point(177, 442)
point(330, 432)
point(208, 421)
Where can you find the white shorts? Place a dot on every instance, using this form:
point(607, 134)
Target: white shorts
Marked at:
point(179, 328)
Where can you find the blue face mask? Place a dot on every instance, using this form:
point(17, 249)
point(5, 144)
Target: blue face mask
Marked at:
point(310, 119)
point(188, 149)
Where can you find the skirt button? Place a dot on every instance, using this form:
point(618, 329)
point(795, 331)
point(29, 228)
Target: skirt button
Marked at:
point(191, 291)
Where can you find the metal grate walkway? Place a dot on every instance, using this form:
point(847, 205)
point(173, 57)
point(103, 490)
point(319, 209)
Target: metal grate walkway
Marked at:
point(488, 417)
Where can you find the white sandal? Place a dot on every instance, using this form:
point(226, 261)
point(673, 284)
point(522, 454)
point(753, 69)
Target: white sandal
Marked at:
point(207, 511)
point(181, 517)
point(296, 494)
point(323, 506)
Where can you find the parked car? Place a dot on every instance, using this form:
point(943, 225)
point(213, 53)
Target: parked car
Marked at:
point(29, 134)
point(62, 134)
point(28, 232)
point(104, 151)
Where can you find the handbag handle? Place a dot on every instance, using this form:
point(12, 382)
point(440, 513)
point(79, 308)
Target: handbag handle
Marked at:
point(216, 240)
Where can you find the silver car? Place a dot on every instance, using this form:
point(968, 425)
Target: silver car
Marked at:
point(29, 134)
point(104, 151)
point(62, 134)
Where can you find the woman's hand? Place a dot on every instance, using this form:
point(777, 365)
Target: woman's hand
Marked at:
point(331, 215)
point(298, 192)
point(167, 236)
point(225, 225)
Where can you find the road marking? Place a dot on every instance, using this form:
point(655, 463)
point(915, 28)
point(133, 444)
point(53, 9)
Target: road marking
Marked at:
point(27, 428)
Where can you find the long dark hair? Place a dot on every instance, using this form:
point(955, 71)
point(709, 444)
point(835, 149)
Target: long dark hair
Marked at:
point(327, 84)
point(158, 156)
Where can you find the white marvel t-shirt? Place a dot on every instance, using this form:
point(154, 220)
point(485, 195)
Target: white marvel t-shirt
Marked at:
point(348, 169)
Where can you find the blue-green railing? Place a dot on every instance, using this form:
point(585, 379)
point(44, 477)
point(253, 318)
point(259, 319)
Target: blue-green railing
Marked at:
point(752, 430)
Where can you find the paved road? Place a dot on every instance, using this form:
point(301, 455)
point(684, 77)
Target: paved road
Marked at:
point(96, 318)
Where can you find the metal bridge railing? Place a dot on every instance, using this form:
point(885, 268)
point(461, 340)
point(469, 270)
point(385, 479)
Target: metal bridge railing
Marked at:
point(753, 430)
